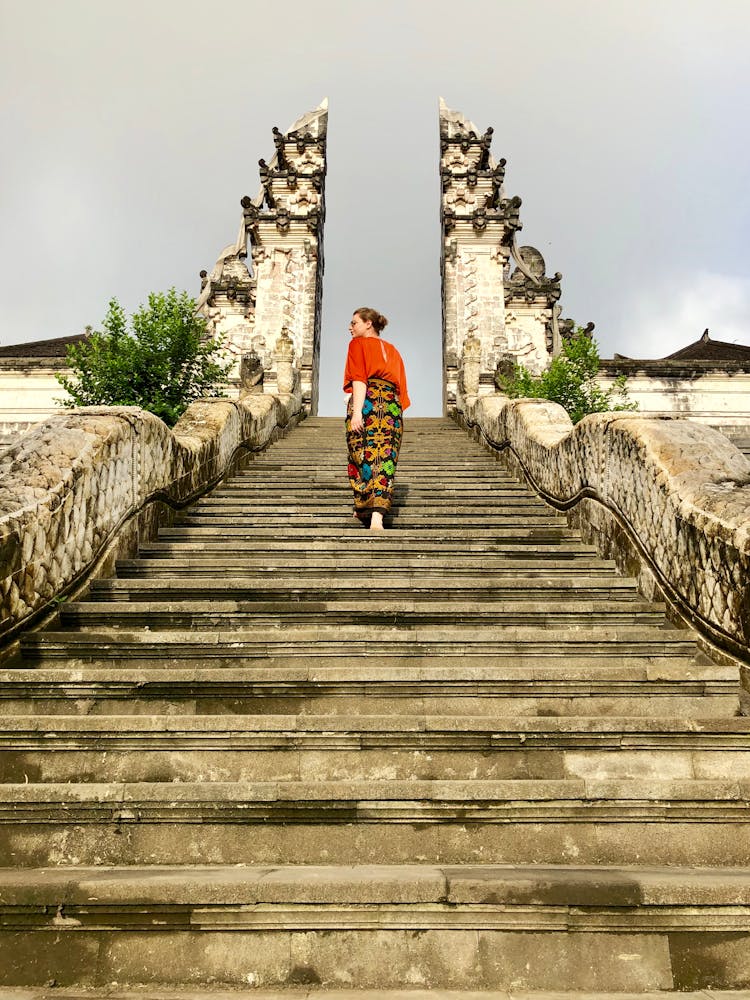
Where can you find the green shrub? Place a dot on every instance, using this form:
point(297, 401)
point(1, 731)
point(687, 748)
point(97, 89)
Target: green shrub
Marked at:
point(162, 363)
point(570, 381)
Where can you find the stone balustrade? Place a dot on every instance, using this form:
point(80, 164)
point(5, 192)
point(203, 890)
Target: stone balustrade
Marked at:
point(667, 498)
point(80, 489)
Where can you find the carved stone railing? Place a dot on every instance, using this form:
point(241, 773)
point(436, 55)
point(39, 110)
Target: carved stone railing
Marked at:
point(79, 490)
point(667, 498)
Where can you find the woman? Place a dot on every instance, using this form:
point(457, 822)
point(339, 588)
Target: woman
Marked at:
point(375, 377)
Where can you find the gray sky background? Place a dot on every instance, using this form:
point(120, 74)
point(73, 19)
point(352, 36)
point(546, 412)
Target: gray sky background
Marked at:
point(130, 133)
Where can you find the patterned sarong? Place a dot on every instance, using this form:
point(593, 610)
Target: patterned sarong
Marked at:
point(373, 453)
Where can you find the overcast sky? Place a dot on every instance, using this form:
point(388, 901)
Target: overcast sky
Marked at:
point(131, 131)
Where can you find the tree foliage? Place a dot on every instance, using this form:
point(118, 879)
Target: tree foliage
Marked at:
point(570, 381)
point(162, 363)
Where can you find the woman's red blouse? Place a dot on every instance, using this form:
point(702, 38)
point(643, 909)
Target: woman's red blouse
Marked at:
point(371, 357)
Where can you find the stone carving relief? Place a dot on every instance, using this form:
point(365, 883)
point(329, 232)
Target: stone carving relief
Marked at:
point(461, 200)
point(309, 161)
point(470, 293)
point(302, 202)
point(251, 374)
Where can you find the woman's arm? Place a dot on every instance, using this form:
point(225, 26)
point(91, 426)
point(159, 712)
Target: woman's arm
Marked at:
point(359, 389)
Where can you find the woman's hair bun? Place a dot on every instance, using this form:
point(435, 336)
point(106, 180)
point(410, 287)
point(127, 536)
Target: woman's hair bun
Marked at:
point(377, 319)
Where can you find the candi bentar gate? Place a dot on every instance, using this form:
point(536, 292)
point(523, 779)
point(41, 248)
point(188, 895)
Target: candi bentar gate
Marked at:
point(497, 747)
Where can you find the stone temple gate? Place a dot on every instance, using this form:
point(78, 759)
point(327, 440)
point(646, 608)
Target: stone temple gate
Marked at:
point(499, 307)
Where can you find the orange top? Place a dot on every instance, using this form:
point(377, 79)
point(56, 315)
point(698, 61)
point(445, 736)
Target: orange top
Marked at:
point(371, 357)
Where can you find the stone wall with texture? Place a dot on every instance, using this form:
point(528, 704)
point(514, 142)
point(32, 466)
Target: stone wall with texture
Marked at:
point(667, 497)
point(73, 484)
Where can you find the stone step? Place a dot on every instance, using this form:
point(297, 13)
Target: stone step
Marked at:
point(225, 748)
point(340, 489)
point(332, 457)
point(256, 492)
point(591, 821)
point(299, 990)
point(419, 586)
point(340, 534)
point(330, 614)
point(161, 692)
point(341, 520)
point(428, 479)
point(479, 470)
point(415, 455)
point(169, 560)
point(393, 642)
point(517, 508)
point(432, 474)
point(633, 929)
point(371, 545)
point(413, 498)
point(145, 676)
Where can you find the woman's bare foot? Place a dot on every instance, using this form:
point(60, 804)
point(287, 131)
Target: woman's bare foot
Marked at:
point(376, 522)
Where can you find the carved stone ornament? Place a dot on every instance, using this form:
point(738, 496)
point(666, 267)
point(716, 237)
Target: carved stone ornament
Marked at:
point(250, 215)
point(282, 220)
point(479, 220)
point(534, 262)
point(278, 141)
point(251, 374)
point(471, 358)
point(284, 359)
point(484, 156)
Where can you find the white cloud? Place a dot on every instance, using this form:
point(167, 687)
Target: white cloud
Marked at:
point(671, 316)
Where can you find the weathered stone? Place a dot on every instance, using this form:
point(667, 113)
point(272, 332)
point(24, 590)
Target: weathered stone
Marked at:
point(685, 521)
point(105, 482)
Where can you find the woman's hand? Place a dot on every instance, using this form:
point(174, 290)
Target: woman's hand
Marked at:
point(359, 391)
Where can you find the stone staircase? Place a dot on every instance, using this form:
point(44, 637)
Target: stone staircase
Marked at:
point(281, 751)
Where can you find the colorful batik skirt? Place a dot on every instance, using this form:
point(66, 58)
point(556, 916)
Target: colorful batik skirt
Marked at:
point(373, 452)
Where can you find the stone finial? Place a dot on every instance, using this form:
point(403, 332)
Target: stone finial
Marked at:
point(568, 328)
point(266, 184)
point(278, 141)
point(471, 362)
point(284, 360)
point(484, 156)
point(250, 216)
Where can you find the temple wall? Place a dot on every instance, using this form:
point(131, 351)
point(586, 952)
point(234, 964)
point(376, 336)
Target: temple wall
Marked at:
point(667, 498)
point(84, 487)
point(28, 389)
point(721, 398)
